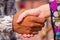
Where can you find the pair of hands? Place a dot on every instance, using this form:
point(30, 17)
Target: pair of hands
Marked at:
point(31, 21)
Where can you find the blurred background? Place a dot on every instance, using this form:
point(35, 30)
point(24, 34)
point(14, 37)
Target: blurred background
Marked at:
point(8, 8)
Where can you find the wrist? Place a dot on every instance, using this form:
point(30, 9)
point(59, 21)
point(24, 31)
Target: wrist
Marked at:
point(45, 9)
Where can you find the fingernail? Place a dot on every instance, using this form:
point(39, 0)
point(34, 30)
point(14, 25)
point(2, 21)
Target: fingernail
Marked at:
point(20, 34)
point(28, 35)
point(32, 35)
point(17, 21)
point(24, 35)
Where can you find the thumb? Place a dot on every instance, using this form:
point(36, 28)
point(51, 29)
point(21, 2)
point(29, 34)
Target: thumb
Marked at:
point(26, 13)
point(19, 13)
point(21, 16)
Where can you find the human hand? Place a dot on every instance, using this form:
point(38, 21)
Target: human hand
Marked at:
point(29, 26)
point(42, 12)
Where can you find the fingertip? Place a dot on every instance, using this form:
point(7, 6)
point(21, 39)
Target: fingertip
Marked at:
point(17, 21)
point(20, 34)
point(24, 35)
point(20, 18)
point(32, 35)
point(28, 35)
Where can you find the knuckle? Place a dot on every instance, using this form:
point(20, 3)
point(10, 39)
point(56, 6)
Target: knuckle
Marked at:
point(42, 20)
point(30, 18)
point(27, 31)
point(31, 24)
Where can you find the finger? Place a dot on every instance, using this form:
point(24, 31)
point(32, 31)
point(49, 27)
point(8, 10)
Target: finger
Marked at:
point(25, 31)
point(36, 25)
point(31, 35)
point(19, 13)
point(20, 34)
point(26, 35)
point(33, 24)
point(26, 13)
point(36, 29)
point(34, 32)
point(38, 19)
point(21, 17)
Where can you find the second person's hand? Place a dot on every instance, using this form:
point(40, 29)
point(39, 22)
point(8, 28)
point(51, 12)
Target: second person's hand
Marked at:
point(29, 26)
point(42, 12)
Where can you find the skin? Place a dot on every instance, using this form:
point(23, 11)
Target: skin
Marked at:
point(30, 24)
point(41, 12)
